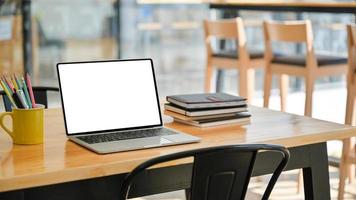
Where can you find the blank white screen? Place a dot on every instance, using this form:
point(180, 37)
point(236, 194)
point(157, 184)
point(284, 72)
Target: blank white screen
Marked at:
point(108, 95)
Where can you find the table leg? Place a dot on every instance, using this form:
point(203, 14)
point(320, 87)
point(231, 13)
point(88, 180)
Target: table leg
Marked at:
point(220, 80)
point(222, 45)
point(187, 194)
point(117, 5)
point(26, 35)
point(316, 176)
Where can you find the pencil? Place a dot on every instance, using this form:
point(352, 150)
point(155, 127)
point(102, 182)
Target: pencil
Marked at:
point(8, 84)
point(14, 82)
point(8, 93)
point(22, 98)
point(28, 80)
point(17, 82)
point(27, 95)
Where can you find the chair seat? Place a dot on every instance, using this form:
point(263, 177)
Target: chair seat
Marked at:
point(300, 60)
point(234, 55)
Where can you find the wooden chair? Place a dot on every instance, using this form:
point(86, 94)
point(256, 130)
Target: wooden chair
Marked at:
point(349, 150)
point(309, 66)
point(221, 172)
point(241, 59)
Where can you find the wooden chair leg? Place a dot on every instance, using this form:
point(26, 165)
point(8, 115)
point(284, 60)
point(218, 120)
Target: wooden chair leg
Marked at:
point(208, 77)
point(349, 119)
point(350, 105)
point(283, 85)
point(343, 167)
point(267, 87)
point(309, 86)
point(246, 83)
point(351, 166)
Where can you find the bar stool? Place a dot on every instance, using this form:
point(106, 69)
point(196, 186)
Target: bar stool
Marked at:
point(241, 59)
point(348, 151)
point(309, 66)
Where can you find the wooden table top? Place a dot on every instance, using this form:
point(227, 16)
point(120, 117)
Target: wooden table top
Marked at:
point(59, 160)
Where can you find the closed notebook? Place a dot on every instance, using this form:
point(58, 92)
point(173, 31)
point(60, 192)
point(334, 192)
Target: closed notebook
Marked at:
point(206, 111)
point(206, 100)
point(239, 119)
point(187, 118)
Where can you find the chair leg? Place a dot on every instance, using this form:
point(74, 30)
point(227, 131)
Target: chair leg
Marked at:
point(208, 77)
point(267, 87)
point(309, 86)
point(349, 119)
point(343, 167)
point(246, 83)
point(283, 85)
point(351, 170)
point(350, 105)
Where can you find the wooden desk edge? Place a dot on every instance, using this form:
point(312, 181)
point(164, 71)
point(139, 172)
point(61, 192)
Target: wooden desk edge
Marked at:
point(95, 171)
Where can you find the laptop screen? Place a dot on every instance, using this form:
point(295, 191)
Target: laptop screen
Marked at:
point(108, 95)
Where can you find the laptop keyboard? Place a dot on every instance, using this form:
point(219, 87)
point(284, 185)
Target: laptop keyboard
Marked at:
point(126, 135)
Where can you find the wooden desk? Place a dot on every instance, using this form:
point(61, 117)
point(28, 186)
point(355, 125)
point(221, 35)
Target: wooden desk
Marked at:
point(59, 161)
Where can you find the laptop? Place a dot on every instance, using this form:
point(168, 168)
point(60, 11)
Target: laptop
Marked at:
point(113, 106)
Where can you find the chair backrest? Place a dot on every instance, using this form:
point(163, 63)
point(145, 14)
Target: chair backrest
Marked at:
point(289, 31)
point(40, 94)
point(219, 173)
point(225, 29)
point(351, 34)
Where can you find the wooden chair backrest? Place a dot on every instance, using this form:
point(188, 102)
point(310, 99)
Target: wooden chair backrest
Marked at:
point(351, 43)
point(289, 31)
point(225, 29)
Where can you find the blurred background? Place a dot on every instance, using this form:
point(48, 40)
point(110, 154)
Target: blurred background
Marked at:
point(170, 33)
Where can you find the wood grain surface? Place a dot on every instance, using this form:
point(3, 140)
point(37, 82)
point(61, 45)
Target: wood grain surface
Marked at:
point(59, 160)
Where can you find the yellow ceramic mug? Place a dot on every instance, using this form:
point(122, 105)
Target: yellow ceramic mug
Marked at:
point(27, 125)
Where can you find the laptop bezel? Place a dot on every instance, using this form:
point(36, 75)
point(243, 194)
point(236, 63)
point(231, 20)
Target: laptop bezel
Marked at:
point(109, 130)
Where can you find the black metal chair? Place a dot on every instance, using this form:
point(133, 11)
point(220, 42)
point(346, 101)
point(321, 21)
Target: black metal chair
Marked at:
point(39, 92)
point(219, 173)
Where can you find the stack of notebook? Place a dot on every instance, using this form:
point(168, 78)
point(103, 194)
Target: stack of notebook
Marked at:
point(205, 110)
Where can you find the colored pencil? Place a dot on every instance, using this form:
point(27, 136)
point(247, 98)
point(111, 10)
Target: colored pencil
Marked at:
point(18, 82)
point(8, 84)
point(22, 98)
point(7, 92)
point(14, 82)
point(28, 80)
point(27, 95)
